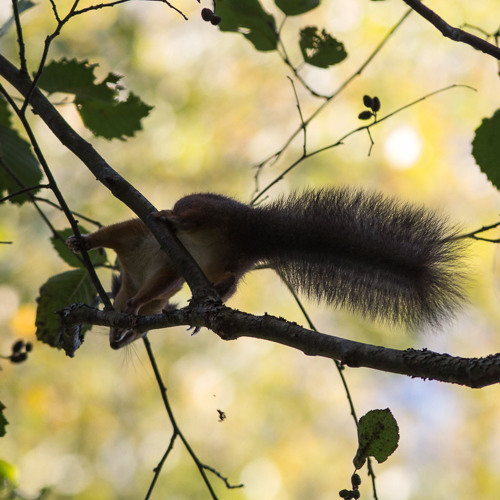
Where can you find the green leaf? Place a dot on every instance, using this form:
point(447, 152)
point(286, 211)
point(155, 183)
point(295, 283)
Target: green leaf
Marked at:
point(71, 76)
point(296, 7)
point(378, 436)
point(319, 48)
point(486, 148)
point(113, 119)
point(97, 257)
point(3, 422)
point(251, 20)
point(98, 103)
point(17, 155)
point(58, 292)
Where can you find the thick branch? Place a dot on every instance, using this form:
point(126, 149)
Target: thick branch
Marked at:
point(120, 188)
point(231, 324)
point(455, 34)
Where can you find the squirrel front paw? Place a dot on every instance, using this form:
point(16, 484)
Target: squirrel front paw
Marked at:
point(168, 217)
point(76, 245)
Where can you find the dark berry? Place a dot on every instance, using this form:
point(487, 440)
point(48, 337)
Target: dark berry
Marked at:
point(355, 480)
point(18, 346)
point(18, 357)
point(207, 14)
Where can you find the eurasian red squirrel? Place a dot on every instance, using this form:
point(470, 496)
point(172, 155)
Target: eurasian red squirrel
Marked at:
point(372, 255)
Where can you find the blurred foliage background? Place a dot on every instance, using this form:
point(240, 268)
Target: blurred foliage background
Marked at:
point(94, 427)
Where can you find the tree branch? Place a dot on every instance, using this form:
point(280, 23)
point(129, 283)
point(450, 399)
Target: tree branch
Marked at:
point(230, 324)
point(455, 34)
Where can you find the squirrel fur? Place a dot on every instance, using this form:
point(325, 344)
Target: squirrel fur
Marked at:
point(361, 251)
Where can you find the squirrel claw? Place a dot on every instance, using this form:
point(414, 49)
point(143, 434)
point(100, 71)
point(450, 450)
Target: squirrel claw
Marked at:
point(195, 329)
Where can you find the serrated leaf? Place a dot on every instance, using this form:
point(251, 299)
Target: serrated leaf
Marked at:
point(486, 148)
point(3, 421)
point(58, 292)
point(97, 257)
point(296, 7)
point(320, 49)
point(251, 20)
point(71, 76)
point(113, 120)
point(101, 111)
point(378, 436)
point(16, 153)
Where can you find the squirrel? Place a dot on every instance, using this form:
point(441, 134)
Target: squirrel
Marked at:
point(373, 255)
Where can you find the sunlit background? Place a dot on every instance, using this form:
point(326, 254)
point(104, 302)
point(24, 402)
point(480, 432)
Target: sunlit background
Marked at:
point(94, 427)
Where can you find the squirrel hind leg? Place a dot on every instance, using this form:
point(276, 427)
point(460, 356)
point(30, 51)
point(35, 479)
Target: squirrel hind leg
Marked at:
point(151, 299)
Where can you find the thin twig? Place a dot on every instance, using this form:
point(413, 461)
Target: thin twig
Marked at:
point(76, 214)
point(118, 2)
point(455, 34)
point(286, 59)
point(304, 127)
point(158, 468)
point(473, 236)
point(22, 186)
point(349, 134)
point(229, 486)
point(170, 413)
point(23, 190)
point(20, 41)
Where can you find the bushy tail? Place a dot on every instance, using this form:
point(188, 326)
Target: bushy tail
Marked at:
point(373, 255)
